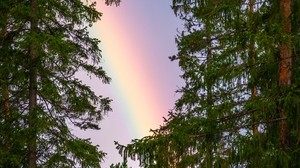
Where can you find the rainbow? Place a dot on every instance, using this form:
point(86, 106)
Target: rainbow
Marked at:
point(132, 73)
point(136, 40)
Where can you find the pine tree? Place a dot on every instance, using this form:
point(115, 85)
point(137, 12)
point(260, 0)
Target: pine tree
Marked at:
point(240, 105)
point(44, 43)
point(12, 131)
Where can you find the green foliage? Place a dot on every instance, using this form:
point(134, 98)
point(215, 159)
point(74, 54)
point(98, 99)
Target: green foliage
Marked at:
point(63, 47)
point(229, 55)
point(119, 165)
point(111, 2)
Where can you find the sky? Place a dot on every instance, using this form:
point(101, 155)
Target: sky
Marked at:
point(137, 38)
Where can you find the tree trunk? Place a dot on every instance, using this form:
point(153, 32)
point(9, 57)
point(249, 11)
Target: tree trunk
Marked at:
point(252, 56)
point(210, 135)
point(33, 89)
point(5, 105)
point(4, 78)
point(285, 65)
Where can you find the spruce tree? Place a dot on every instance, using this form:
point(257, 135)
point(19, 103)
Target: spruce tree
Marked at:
point(12, 126)
point(44, 43)
point(239, 105)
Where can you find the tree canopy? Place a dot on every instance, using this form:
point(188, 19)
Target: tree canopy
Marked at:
point(43, 44)
point(240, 102)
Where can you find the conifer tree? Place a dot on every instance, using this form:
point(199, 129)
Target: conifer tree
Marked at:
point(44, 43)
point(12, 131)
point(240, 103)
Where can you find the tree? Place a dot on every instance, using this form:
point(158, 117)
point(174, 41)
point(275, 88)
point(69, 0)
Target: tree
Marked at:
point(240, 103)
point(48, 44)
point(11, 125)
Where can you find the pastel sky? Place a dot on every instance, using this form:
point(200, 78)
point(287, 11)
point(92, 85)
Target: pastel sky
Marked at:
point(136, 39)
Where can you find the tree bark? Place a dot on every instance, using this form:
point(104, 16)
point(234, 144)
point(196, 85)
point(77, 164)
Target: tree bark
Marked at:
point(32, 146)
point(285, 65)
point(4, 78)
point(252, 56)
point(209, 136)
point(5, 105)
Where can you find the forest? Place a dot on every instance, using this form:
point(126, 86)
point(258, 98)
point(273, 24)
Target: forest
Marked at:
point(239, 105)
